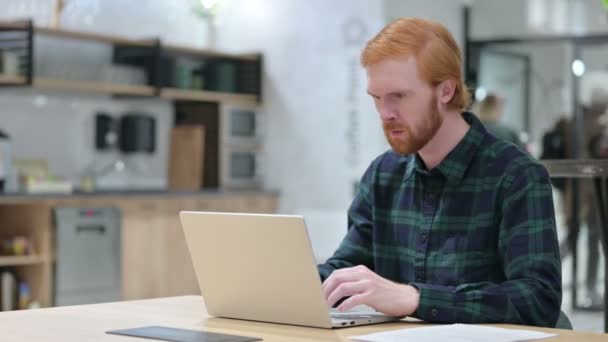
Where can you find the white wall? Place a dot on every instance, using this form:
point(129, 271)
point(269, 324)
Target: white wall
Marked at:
point(322, 129)
point(60, 128)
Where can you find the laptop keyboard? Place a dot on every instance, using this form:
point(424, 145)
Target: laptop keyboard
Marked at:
point(353, 315)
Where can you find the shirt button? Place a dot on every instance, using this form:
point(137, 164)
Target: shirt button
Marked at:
point(434, 312)
point(423, 237)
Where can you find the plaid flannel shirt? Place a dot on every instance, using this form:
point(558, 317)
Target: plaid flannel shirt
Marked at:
point(476, 235)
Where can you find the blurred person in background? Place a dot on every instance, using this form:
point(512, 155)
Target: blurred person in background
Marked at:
point(557, 144)
point(490, 111)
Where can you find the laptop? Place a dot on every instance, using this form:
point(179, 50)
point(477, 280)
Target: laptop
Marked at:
point(261, 267)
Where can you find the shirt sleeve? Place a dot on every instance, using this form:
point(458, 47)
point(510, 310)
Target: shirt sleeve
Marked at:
point(529, 252)
point(356, 247)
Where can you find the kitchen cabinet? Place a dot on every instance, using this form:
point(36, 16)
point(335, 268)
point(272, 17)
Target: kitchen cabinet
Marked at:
point(154, 258)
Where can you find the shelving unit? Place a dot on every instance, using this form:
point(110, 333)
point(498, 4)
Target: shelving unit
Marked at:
point(208, 53)
point(33, 221)
point(207, 96)
point(97, 87)
point(151, 55)
point(12, 80)
point(7, 261)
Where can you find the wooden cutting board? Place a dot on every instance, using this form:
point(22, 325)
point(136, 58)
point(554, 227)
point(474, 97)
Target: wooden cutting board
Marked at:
point(186, 157)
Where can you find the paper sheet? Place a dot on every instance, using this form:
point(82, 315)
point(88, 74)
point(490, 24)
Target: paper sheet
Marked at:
point(454, 333)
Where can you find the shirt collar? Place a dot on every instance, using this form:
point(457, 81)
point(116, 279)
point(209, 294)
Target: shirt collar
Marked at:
point(455, 164)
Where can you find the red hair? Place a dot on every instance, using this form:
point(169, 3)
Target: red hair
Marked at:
point(437, 54)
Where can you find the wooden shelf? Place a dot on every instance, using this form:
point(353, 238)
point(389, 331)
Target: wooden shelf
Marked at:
point(132, 90)
point(102, 38)
point(201, 95)
point(21, 260)
point(209, 53)
point(17, 25)
point(62, 33)
point(97, 87)
point(87, 86)
point(12, 79)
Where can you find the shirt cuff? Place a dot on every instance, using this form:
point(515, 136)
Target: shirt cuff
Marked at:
point(436, 303)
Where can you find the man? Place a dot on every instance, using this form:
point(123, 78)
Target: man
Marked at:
point(490, 110)
point(452, 224)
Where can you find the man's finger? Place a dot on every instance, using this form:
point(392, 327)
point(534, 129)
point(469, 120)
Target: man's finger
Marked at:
point(338, 277)
point(353, 301)
point(345, 290)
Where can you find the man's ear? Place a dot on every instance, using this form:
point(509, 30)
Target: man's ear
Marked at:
point(446, 91)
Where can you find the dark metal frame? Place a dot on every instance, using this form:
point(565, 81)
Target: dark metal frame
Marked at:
point(29, 75)
point(527, 68)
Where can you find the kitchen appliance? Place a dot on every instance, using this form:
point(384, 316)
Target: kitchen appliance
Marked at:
point(106, 131)
point(137, 133)
point(88, 253)
point(240, 151)
point(240, 167)
point(240, 125)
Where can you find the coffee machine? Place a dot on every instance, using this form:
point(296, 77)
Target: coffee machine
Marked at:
point(119, 140)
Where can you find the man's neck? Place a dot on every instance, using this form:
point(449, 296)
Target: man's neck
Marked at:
point(450, 133)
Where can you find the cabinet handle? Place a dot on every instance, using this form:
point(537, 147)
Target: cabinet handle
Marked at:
point(91, 228)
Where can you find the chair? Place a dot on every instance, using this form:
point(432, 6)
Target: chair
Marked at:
point(563, 322)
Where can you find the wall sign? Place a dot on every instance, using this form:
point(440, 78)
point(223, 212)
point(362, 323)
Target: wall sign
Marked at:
point(354, 33)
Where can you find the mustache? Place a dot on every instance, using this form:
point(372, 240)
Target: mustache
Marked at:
point(393, 126)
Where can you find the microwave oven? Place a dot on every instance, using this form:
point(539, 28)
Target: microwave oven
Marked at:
point(241, 167)
point(240, 125)
point(241, 142)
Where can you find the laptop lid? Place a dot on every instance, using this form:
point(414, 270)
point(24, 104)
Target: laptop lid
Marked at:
point(256, 267)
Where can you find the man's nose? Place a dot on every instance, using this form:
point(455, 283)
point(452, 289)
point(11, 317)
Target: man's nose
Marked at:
point(387, 111)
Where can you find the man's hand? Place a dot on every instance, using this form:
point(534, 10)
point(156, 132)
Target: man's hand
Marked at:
point(366, 287)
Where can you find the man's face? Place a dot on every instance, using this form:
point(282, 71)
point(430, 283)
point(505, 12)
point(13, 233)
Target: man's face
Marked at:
point(407, 105)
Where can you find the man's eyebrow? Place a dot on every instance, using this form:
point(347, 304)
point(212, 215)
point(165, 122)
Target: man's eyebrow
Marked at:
point(404, 91)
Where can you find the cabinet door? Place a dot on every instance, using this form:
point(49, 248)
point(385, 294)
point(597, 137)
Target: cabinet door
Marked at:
point(180, 272)
point(156, 260)
point(143, 247)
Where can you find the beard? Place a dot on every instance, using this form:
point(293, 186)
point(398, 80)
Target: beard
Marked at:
point(414, 141)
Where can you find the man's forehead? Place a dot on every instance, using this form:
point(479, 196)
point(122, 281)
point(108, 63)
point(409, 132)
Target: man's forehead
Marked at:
point(392, 75)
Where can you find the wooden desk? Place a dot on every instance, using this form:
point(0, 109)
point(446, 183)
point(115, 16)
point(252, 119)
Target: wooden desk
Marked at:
point(90, 322)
